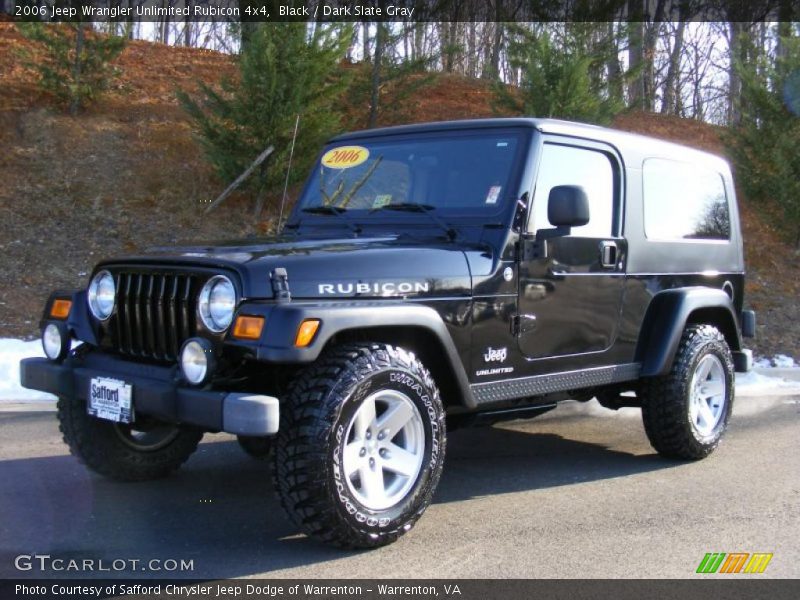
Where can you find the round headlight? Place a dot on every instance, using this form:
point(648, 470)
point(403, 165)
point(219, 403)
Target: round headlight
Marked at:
point(55, 342)
point(197, 360)
point(217, 303)
point(101, 295)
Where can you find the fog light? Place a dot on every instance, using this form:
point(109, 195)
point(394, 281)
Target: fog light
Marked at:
point(55, 342)
point(197, 360)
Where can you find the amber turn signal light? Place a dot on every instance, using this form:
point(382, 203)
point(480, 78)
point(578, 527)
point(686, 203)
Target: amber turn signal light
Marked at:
point(248, 328)
point(306, 332)
point(60, 309)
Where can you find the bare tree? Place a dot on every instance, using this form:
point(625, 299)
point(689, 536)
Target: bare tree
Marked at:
point(672, 81)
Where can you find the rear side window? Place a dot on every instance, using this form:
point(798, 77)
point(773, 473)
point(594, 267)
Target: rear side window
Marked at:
point(684, 202)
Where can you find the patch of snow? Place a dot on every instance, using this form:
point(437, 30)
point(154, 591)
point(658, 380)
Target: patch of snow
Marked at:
point(779, 361)
point(784, 362)
point(11, 352)
point(757, 384)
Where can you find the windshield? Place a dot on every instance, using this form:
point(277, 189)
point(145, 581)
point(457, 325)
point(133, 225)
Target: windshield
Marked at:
point(451, 173)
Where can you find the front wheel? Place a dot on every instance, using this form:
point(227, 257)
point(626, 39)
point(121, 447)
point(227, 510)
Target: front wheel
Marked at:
point(147, 449)
point(361, 446)
point(686, 412)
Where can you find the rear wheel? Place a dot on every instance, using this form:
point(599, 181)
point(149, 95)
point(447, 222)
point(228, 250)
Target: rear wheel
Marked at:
point(146, 449)
point(361, 445)
point(686, 412)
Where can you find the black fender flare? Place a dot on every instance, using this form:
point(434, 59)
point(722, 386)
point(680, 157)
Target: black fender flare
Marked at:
point(283, 320)
point(79, 323)
point(667, 316)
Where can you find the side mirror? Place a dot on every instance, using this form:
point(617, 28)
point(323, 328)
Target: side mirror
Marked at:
point(568, 206)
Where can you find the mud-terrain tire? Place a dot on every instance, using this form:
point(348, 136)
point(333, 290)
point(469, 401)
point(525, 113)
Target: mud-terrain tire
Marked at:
point(686, 412)
point(351, 424)
point(149, 450)
point(259, 448)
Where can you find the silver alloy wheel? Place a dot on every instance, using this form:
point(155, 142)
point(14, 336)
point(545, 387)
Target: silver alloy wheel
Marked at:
point(384, 449)
point(708, 395)
point(149, 439)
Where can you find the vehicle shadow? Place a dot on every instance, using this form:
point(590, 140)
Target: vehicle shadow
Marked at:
point(220, 510)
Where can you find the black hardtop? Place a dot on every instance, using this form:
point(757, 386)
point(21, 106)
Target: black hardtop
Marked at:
point(633, 147)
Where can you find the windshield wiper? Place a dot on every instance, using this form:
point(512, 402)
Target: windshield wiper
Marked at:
point(323, 210)
point(426, 209)
point(335, 211)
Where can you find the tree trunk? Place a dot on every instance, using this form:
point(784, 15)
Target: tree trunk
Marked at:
point(613, 66)
point(419, 40)
point(668, 106)
point(365, 40)
point(652, 31)
point(376, 75)
point(737, 51)
point(164, 28)
point(491, 69)
point(472, 49)
point(636, 53)
point(75, 101)
point(497, 43)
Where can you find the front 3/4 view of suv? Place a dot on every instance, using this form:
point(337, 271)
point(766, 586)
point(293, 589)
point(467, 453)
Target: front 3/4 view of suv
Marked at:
point(430, 277)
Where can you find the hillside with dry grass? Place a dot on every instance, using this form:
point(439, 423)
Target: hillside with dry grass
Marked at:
point(128, 174)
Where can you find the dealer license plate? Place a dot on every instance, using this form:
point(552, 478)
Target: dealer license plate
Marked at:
point(110, 399)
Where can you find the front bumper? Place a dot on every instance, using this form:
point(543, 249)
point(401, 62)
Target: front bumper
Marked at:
point(157, 393)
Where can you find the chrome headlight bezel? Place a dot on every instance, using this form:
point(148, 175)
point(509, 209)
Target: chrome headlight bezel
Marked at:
point(100, 296)
point(216, 303)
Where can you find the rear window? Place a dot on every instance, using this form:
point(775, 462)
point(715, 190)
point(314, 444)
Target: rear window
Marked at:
point(684, 202)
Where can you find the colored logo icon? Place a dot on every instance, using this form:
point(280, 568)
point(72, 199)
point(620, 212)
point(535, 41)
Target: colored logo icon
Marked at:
point(734, 562)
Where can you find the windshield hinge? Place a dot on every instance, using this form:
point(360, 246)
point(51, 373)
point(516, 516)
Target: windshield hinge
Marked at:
point(280, 285)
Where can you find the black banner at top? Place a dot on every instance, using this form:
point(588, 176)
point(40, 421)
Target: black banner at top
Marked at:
point(408, 11)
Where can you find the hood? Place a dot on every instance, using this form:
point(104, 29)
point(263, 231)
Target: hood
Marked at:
point(362, 267)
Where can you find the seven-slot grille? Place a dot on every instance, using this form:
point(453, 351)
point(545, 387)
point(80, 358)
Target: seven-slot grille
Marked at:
point(155, 313)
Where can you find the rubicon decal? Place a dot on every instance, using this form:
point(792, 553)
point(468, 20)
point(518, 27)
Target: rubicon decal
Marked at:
point(377, 288)
point(734, 562)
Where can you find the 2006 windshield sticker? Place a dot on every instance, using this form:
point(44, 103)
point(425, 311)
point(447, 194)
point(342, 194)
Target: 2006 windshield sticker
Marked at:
point(345, 157)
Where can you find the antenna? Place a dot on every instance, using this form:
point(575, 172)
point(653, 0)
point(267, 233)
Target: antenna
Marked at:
point(288, 170)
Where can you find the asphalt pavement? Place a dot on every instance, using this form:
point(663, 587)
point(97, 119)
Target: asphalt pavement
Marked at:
point(575, 493)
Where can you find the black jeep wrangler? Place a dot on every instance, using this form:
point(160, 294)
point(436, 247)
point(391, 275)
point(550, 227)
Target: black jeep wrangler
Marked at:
point(430, 276)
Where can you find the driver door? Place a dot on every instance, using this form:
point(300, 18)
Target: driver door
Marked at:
point(571, 287)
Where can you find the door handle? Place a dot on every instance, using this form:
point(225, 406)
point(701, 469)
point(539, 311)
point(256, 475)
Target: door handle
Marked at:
point(608, 254)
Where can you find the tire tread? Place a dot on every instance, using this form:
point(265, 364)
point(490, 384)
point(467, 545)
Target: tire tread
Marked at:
point(664, 398)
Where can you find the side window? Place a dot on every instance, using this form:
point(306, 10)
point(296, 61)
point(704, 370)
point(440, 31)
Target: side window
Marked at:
point(590, 169)
point(684, 202)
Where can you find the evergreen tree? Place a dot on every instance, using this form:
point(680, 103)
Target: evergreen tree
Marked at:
point(561, 78)
point(764, 146)
point(74, 62)
point(285, 70)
